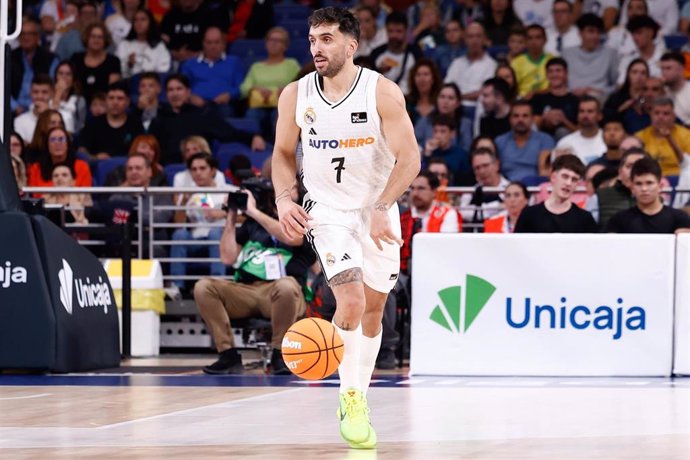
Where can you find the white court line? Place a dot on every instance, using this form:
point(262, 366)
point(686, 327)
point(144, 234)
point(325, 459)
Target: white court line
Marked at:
point(26, 397)
point(410, 382)
point(194, 409)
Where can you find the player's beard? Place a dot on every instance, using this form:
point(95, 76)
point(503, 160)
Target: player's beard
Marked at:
point(334, 66)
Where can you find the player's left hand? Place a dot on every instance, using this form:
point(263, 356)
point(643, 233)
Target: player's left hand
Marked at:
point(380, 229)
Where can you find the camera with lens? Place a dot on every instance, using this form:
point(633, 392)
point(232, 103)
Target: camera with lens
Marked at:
point(260, 188)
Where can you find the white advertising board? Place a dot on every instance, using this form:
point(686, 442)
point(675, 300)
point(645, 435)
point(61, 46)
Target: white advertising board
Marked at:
point(566, 305)
point(681, 358)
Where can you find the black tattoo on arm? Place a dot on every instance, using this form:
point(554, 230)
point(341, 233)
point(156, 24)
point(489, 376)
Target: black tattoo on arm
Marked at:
point(348, 276)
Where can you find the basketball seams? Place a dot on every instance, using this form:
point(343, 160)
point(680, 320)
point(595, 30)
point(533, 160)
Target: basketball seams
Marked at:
point(312, 351)
point(325, 343)
point(318, 368)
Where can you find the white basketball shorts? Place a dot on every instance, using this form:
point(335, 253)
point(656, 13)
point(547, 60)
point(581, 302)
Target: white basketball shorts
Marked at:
point(341, 241)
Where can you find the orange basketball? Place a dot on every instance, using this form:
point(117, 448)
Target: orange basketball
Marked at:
point(312, 349)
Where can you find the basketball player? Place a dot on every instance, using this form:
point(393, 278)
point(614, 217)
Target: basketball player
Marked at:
point(359, 156)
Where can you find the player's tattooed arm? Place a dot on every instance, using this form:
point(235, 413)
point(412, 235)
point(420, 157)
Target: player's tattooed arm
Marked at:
point(348, 276)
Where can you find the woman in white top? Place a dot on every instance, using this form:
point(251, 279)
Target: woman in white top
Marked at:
point(120, 22)
point(143, 50)
point(67, 97)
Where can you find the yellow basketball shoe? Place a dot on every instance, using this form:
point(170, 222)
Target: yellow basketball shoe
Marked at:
point(353, 414)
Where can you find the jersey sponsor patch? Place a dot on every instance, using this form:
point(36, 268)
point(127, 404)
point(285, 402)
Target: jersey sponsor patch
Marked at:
point(358, 117)
point(394, 276)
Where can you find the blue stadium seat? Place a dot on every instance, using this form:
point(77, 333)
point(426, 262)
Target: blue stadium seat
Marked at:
point(104, 167)
point(672, 180)
point(171, 170)
point(288, 11)
point(225, 152)
point(534, 181)
point(299, 49)
point(298, 29)
point(498, 52)
point(244, 124)
point(675, 42)
point(247, 47)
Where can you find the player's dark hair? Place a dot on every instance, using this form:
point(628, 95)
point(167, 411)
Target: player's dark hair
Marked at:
point(431, 178)
point(569, 162)
point(347, 22)
point(646, 165)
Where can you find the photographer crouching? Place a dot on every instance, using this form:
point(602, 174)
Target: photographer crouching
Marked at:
point(270, 270)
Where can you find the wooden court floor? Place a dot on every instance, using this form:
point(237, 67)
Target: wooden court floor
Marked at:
point(190, 415)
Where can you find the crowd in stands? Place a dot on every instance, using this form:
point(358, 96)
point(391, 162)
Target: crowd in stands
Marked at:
point(589, 100)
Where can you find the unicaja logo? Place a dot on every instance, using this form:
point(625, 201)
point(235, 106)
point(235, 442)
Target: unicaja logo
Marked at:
point(455, 315)
point(89, 294)
point(66, 278)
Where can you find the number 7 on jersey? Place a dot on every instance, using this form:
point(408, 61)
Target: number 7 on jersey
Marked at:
point(339, 168)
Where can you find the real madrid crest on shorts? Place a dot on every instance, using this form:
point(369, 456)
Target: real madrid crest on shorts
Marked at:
point(330, 259)
point(309, 116)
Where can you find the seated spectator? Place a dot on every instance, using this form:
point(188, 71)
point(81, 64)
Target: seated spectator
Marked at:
point(70, 42)
point(506, 73)
point(266, 79)
point(190, 146)
point(183, 26)
point(448, 102)
point(664, 12)
point(522, 150)
point(480, 205)
point(453, 48)
point(147, 145)
point(613, 135)
point(180, 119)
point(587, 143)
point(517, 44)
point(424, 83)
point(201, 208)
point(76, 203)
point(593, 68)
point(67, 97)
point(59, 151)
point(41, 95)
point(371, 36)
point(515, 200)
point(256, 291)
point(498, 19)
point(555, 110)
point(110, 135)
point(121, 21)
point(17, 146)
point(214, 76)
point(649, 215)
point(563, 33)
point(19, 169)
point(427, 34)
point(558, 214)
point(619, 37)
point(97, 105)
point(672, 68)
point(441, 145)
point(494, 108)
point(147, 103)
point(95, 67)
point(637, 117)
point(395, 59)
point(609, 200)
point(530, 67)
point(631, 94)
point(142, 50)
point(28, 61)
point(546, 188)
point(440, 168)
point(425, 215)
point(48, 120)
point(665, 140)
point(644, 30)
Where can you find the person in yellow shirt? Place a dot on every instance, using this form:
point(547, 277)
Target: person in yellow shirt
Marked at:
point(665, 140)
point(530, 67)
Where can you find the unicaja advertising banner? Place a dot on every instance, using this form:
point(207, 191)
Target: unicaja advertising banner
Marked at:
point(542, 305)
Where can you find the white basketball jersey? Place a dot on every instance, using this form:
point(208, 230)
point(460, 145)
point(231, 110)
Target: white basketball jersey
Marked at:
point(346, 162)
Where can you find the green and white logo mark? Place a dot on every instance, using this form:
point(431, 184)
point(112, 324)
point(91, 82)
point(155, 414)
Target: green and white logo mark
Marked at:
point(455, 316)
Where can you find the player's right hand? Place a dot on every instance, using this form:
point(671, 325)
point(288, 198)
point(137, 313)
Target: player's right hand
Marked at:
point(294, 220)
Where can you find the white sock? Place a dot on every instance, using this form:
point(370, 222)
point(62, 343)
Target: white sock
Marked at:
point(369, 350)
point(348, 371)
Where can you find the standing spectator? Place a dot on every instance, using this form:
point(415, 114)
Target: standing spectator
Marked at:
point(441, 145)
point(28, 61)
point(214, 76)
point(535, 12)
point(523, 151)
point(148, 102)
point(515, 200)
point(644, 31)
point(266, 80)
point(558, 214)
point(111, 134)
point(180, 119)
point(120, 22)
point(587, 143)
point(672, 67)
point(453, 48)
point(530, 68)
point(470, 71)
point(183, 27)
point(67, 97)
point(395, 59)
point(649, 215)
point(371, 35)
point(494, 103)
point(631, 94)
point(190, 146)
point(613, 136)
point(59, 151)
point(555, 110)
point(96, 68)
point(480, 205)
point(142, 50)
point(71, 41)
point(619, 38)
point(424, 83)
point(664, 12)
point(592, 67)
point(499, 19)
point(665, 140)
point(563, 34)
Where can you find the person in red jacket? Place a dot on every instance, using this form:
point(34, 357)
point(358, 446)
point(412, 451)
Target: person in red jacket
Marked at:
point(59, 151)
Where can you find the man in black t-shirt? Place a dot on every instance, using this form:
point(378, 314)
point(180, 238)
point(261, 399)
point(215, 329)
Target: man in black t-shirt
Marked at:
point(555, 111)
point(110, 135)
point(495, 99)
point(271, 269)
point(649, 215)
point(558, 214)
point(183, 27)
